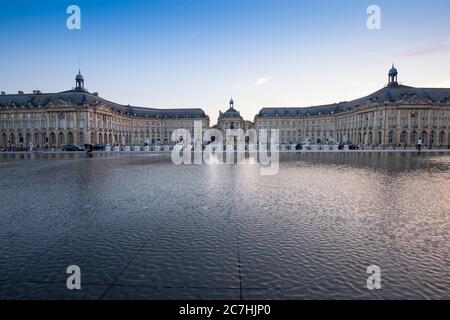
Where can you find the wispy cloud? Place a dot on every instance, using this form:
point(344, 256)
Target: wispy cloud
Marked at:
point(262, 80)
point(256, 83)
point(428, 49)
point(439, 47)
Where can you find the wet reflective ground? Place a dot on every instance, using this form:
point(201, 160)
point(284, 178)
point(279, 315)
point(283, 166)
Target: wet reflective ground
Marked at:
point(140, 227)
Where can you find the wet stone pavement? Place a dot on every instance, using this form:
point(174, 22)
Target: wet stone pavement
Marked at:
point(140, 227)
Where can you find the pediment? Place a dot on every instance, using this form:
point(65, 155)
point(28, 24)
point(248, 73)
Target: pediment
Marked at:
point(417, 100)
point(57, 104)
point(104, 108)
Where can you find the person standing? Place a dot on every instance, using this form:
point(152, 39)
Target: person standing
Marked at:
point(419, 144)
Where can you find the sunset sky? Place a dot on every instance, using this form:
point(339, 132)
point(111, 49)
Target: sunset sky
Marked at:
point(199, 53)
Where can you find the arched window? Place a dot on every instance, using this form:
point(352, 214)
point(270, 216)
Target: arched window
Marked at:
point(70, 138)
point(61, 138)
point(432, 137)
point(403, 137)
point(413, 138)
point(441, 138)
point(52, 139)
point(12, 138)
point(390, 137)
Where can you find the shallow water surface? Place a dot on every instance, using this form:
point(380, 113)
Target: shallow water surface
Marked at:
point(140, 227)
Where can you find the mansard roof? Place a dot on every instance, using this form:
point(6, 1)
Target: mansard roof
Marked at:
point(81, 97)
point(231, 113)
point(390, 94)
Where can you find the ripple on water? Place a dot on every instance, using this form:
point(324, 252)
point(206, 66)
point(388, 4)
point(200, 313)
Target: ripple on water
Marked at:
point(156, 230)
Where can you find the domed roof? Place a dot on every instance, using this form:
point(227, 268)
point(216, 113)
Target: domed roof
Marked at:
point(231, 113)
point(79, 76)
point(393, 72)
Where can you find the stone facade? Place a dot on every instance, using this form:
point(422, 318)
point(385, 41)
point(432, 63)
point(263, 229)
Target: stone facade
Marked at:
point(78, 117)
point(396, 115)
point(231, 120)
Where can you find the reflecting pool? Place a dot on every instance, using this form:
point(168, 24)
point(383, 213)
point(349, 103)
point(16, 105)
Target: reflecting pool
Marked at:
point(140, 227)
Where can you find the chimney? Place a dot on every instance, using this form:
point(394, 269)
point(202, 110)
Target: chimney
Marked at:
point(36, 92)
point(20, 92)
point(95, 94)
point(3, 93)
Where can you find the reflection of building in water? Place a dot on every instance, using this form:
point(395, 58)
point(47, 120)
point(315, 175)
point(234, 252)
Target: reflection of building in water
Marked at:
point(77, 116)
point(393, 115)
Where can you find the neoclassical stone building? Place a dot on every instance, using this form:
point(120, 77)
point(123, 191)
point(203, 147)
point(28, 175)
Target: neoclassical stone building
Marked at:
point(78, 116)
point(394, 115)
point(231, 119)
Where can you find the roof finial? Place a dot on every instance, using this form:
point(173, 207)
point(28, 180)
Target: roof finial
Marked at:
point(393, 74)
point(79, 79)
point(231, 103)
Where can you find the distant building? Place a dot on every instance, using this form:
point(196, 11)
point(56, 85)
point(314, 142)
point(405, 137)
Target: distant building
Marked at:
point(78, 116)
point(231, 120)
point(393, 115)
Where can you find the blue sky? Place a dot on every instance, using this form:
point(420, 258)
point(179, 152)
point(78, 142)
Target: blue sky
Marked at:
point(198, 53)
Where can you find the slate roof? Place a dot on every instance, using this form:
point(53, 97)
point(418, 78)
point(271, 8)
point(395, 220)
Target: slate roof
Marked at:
point(231, 113)
point(391, 93)
point(83, 97)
